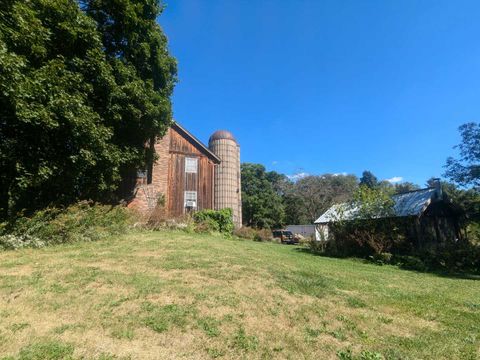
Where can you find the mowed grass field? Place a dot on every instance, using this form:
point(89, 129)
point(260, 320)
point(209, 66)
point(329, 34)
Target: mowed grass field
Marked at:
point(169, 295)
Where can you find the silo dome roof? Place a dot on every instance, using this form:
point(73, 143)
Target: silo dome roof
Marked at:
point(222, 134)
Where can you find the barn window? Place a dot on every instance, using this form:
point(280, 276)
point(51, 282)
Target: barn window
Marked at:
point(141, 177)
point(142, 174)
point(191, 165)
point(190, 199)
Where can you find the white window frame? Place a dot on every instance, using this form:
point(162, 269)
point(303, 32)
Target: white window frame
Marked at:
point(190, 196)
point(191, 165)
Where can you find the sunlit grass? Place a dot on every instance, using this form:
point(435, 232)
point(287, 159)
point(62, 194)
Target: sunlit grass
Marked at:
point(175, 295)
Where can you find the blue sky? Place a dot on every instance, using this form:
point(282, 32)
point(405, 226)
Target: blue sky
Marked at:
point(329, 86)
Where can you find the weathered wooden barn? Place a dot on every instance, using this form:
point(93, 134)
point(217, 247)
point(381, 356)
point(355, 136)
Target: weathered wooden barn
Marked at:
point(426, 217)
point(189, 176)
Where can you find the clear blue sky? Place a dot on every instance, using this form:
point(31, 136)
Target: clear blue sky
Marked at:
point(329, 86)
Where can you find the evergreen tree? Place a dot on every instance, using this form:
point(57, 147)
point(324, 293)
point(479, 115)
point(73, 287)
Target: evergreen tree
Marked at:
point(368, 179)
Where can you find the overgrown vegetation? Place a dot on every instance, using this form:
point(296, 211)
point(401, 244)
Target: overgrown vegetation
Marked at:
point(374, 234)
point(372, 231)
point(84, 221)
point(249, 233)
point(150, 295)
point(214, 221)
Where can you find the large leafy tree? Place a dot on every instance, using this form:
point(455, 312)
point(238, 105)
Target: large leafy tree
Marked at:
point(136, 48)
point(262, 205)
point(465, 170)
point(73, 115)
point(311, 196)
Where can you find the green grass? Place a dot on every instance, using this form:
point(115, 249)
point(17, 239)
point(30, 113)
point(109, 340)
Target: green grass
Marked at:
point(175, 295)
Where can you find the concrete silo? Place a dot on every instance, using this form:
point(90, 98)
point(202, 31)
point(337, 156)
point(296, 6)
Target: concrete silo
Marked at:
point(227, 186)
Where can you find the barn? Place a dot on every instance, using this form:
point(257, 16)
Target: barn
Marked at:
point(188, 176)
point(426, 216)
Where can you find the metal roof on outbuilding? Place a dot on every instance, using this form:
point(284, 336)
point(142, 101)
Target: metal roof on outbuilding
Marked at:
point(411, 203)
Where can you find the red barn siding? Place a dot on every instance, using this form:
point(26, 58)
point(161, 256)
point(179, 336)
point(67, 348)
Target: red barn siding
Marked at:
point(169, 177)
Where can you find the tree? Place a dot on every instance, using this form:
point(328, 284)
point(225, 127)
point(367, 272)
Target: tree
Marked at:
point(368, 179)
point(311, 196)
point(468, 200)
point(465, 170)
point(73, 117)
point(372, 204)
point(262, 205)
point(405, 187)
point(365, 225)
point(136, 47)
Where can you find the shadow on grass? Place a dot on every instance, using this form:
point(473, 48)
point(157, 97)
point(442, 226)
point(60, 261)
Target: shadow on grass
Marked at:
point(438, 272)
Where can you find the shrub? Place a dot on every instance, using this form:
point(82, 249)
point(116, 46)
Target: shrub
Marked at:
point(264, 234)
point(15, 242)
point(382, 258)
point(154, 219)
point(84, 221)
point(315, 246)
point(257, 237)
point(463, 257)
point(249, 233)
point(214, 221)
point(385, 241)
point(245, 232)
point(410, 263)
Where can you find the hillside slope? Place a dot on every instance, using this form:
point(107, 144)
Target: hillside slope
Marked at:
point(168, 295)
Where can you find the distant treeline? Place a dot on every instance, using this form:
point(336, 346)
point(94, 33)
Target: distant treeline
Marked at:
point(271, 199)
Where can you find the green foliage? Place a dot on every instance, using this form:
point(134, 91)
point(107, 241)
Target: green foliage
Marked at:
point(214, 221)
point(262, 205)
point(465, 170)
point(369, 180)
point(410, 262)
point(404, 187)
point(467, 202)
point(84, 221)
point(372, 203)
point(373, 231)
point(75, 118)
point(308, 198)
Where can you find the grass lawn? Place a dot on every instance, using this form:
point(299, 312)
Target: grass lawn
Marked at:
point(167, 295)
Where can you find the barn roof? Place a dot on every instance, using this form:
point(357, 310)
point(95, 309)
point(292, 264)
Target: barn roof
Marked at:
point(197, 142)
point(412, 203)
